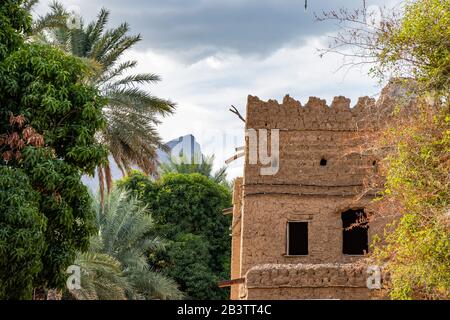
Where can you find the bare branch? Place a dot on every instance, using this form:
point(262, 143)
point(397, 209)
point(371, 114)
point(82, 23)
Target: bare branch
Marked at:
point(358, 34)
point(236, 112)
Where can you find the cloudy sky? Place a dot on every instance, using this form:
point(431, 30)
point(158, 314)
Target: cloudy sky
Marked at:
point(213, 53)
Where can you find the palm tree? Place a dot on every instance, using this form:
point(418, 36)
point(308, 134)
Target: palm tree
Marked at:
point(205, 168)
point(102, 278)
point(131, 112)
point(116, 267)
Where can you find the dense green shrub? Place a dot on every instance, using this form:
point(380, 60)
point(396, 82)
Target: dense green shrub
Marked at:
point(49, 115)
point(14, 21)
point(417, 252)
point(45, 86)
point(189, 259)
point(187, 209)
point(22, 228)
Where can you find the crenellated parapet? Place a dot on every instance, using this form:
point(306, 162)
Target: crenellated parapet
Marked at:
point(316, 114)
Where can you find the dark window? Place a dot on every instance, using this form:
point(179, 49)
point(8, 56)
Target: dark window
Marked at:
point(323, 162)
point(297, 236)
point(355, 239)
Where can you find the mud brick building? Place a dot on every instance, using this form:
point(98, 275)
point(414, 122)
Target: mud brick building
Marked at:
point(289, 236)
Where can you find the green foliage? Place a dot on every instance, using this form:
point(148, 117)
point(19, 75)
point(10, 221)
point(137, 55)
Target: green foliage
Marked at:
point(419, 255)
point(14, 21)
point(22, 228)
point(417, 251)
point(116, 266)
point(101, 278)
point(189, 258)
point(419, 44)
point(46, 86)
point(418, 170)
point(410, 40)
point(48, 119)
point(205, 168)
point(187, 209)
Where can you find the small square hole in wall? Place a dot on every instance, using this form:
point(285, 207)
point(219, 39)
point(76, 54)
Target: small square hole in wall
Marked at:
point(297, 238)
point(323, 162)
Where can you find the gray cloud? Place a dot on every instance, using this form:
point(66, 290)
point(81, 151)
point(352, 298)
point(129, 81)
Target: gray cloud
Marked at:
point(196, 28)
point(213, 53)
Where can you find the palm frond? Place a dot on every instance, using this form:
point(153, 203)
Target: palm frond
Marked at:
point(220, 175)
point(132, 140)
point(56, 18)
point(132, 112)
point(140, 78)
point(115, 72)
point(116, 48)
point(116, 267)
point(126, 235)
point(101, 278)
point(96, 28)
point(136, 96)
point(108, 41)
point(155, 285)
point(29, 4)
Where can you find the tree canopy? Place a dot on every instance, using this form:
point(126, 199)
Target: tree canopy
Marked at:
point(22, 228)
point(14, 21)
point(205, 167)
point(187, 209)
point(48, 119)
